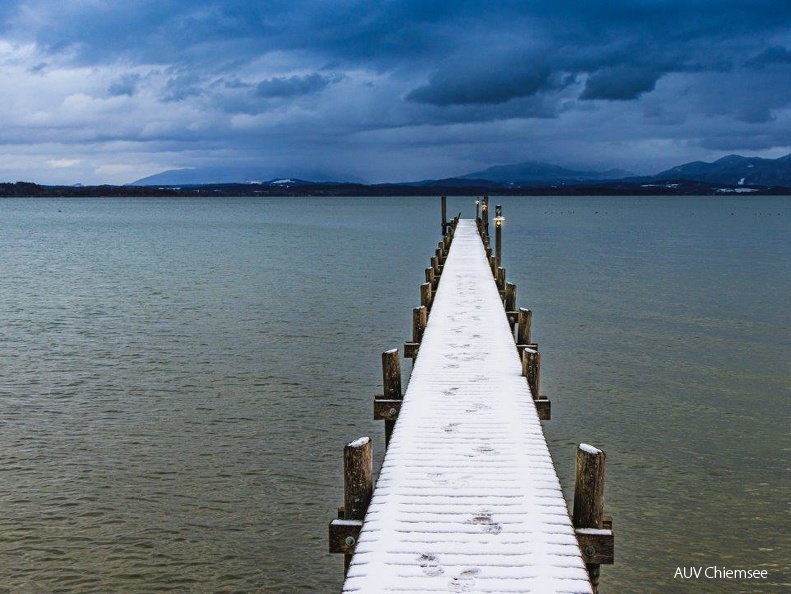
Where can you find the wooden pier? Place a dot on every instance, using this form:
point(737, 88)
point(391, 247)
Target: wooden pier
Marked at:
point(467, 499)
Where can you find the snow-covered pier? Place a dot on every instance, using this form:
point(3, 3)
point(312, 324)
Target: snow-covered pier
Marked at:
point(467, 499)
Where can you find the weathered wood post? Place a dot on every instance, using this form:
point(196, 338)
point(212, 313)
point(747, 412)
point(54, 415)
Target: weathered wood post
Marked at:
point(358, 482)
point(510, 304)
point(478, 213)
point(594, 532)
point(531, 369)
point(485, 217)
point(419, 322)
point(358, 486)
point(498, 234)
point(524, 324)
point(500, 280)
point(444, 200)
point(426, 295)
point(388, 405)
point(430, 278)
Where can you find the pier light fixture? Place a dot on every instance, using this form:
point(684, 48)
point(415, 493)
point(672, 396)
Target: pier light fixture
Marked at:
point(498, 221)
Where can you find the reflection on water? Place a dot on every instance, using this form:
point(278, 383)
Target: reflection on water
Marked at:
point(178, 378)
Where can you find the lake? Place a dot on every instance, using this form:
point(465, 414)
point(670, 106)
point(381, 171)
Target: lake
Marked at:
point(178, 378)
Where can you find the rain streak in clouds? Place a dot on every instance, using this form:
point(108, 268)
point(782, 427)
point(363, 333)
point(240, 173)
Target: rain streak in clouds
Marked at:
point(99, 91)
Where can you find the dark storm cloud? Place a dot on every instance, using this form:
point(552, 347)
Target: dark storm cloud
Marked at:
point(620, 83)
point(770, 56)
point(124, 85)
point(235, 70)
point(292, 86)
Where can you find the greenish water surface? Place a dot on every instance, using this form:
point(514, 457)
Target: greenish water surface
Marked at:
point(178, 378)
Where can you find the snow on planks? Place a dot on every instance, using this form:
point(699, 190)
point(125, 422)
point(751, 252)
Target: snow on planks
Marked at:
point(467, 499)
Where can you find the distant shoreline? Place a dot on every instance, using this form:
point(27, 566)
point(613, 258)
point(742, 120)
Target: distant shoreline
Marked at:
point(671, 188)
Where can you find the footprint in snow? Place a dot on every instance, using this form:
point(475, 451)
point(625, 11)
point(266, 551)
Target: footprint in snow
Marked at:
point(430, 565)
point(465, 581)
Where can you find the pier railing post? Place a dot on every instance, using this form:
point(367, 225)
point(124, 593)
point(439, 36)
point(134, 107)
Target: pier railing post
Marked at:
point(510, 304)
point(388, 405)
point(444, 200)
point(426, 295)
point(498, 234)
point(485, 217)
point(430, 278)
point(531, 369)
point(524, 323)
point(358, 486)
point(594, 531)
point(358, 482)
point(419, 322)
point(500, 279)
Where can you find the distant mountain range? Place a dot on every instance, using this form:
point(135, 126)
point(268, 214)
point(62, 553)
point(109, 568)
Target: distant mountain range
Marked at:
point(229, 175)
point(536, 172)
point(734, 170)
point(731, 171)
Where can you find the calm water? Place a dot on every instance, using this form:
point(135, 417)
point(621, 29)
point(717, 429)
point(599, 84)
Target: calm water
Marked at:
point(178, 378)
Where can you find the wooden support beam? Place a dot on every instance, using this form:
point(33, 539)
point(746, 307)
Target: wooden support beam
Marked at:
point(444, 201)
point(588, 513)
point(386, 409)
point(521, 347)
point(597, 545)
point(344, 535)
point(543, 407)
point(410, 350)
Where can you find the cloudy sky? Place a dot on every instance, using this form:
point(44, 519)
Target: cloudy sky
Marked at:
point(108, 91)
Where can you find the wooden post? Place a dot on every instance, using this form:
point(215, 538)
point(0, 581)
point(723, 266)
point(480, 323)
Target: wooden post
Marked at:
point(391, 381)
point(485, 216)
point(435, 264)
point(589, 500)
point(510, 304)
point(425, 295)
point(531, 369)
point(478, 212)
point(358, 482)
point(500, 277)
point(430, 277)
point(391, 374)
point(419, 321)
point(524, 323)
point(444, 200)
point(498, 234)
